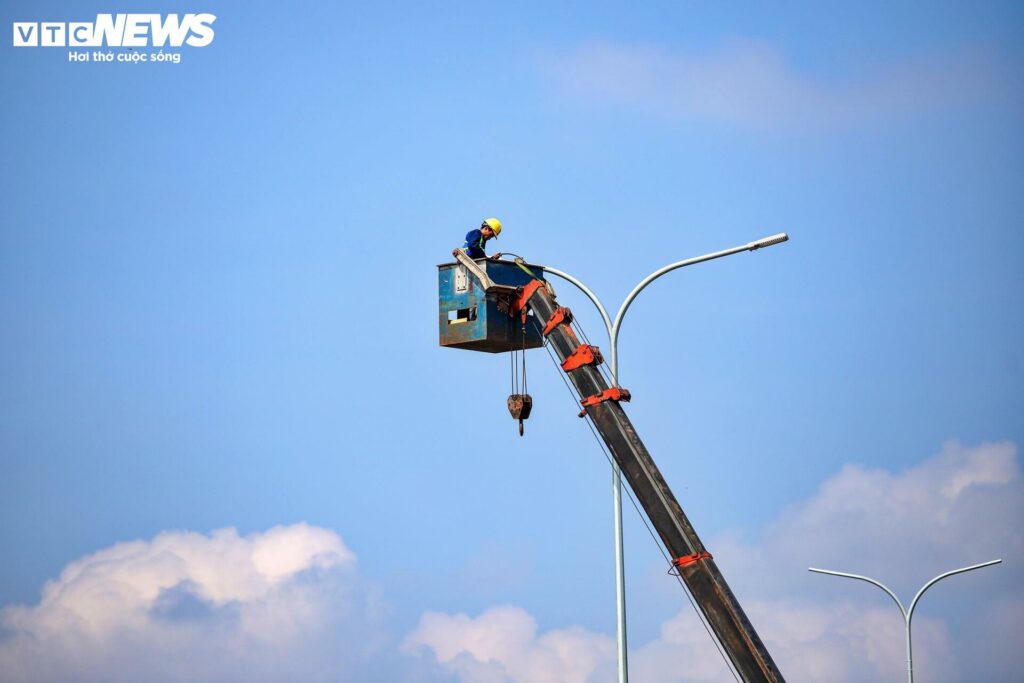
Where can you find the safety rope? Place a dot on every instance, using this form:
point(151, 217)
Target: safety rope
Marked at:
point(522, 266)
point(643, 517)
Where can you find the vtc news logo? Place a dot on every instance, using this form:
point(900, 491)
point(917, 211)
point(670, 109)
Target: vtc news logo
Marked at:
point(119, 30)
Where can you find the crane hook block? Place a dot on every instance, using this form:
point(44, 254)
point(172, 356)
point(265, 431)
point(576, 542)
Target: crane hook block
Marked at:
point(613, 394)
point(519, 407)
point(585, 354)
point(561, 315)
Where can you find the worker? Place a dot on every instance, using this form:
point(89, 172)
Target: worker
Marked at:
point(476, 239)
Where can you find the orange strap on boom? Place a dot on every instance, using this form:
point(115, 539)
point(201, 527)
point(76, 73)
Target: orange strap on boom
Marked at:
point(523, 296)
point(613, 394)
point(687, 560)
point(561, 315)
point(585, 354)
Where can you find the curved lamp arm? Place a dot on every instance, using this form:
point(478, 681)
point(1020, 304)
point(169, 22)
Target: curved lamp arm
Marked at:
point(881, 585)
point(583, 288)
point(913, 603)
point(749, 246)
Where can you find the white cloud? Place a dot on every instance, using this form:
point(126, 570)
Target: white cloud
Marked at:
point(751, 85)
point(951, 510)
point(289, 603)
point(286, 604)
point(502, 644)
point(959, 507)
point(835, 642)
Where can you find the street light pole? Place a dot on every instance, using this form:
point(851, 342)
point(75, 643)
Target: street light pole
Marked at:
point(908, 614)
point(612, 328)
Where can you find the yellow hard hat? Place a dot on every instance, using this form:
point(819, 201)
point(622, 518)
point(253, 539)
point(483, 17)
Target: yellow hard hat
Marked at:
point(494, 224)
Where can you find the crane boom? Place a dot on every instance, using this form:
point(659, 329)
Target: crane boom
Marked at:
point(695, 565)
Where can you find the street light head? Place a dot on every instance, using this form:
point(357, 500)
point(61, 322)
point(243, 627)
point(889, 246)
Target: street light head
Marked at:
point(768, 241)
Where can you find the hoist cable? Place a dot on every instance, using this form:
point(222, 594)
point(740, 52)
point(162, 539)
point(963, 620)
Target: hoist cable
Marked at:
point(512, 370)
point(523, 332)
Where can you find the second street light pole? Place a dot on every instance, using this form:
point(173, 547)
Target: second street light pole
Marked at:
point(613, 328)
point(908, 613)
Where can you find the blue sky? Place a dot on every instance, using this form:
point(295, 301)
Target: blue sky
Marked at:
point(219, 293)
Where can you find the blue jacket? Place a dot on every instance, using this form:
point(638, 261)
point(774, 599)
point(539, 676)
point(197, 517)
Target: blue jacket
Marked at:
point(474, 246)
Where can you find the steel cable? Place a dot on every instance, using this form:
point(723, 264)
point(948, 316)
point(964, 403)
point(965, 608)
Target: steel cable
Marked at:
point(643, 518)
